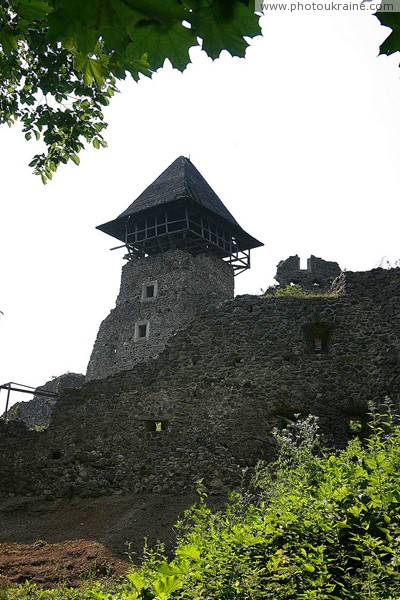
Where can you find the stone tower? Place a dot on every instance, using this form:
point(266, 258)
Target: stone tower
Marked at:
point(183, 249)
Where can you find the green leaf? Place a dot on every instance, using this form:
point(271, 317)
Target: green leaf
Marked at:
point(355, 510)
point(158, 41)
point(189, 551)
point(163, 11)
point(92, 69)
point(33, 10)
point(75, 159)
point(136, 66)
point(165, 586)
point(392, 42)
point(8, 40)
point(137, 581)
point(99, 595)
point(221, 30)
point(86, 21)
point(167, 568)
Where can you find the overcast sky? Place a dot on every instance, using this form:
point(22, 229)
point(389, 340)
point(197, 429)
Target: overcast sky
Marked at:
point(300, 140)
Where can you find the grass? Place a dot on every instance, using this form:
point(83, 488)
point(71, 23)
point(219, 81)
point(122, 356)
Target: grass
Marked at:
point(296, 291)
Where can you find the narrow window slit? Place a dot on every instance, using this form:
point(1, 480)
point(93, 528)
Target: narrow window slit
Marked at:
point(156, 426)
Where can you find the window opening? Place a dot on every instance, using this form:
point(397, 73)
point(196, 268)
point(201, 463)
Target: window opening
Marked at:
point(142, 330)
point(149, 291)
point(317, 337)
point(357, 425)
point(157, 426)
point(318, 344)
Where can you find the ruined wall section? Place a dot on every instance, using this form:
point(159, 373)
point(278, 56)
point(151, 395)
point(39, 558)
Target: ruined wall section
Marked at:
point(37, 412)
point(216, 391)
point(183, 285)
point(319, 274)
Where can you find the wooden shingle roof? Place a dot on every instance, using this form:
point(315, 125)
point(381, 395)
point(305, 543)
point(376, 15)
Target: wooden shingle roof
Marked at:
point(181, 184)
point(181, 180)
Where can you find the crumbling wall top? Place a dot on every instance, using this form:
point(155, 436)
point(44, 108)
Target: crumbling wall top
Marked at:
point(319, 273)
point(37, 412)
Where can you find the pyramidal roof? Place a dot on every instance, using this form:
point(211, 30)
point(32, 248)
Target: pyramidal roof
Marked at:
point(181, 184)
point(181, 180)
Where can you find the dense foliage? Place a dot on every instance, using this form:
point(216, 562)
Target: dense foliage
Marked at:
point(60, 59)
point(315, 525)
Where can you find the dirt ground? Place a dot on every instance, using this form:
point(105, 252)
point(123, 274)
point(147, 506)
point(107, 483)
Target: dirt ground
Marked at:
point(47, 542)
point(71, 562)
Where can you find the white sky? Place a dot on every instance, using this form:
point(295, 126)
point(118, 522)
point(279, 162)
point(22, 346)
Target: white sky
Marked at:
point(299, 140)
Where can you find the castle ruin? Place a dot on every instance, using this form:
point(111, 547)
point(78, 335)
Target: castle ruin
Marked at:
point(185, 381)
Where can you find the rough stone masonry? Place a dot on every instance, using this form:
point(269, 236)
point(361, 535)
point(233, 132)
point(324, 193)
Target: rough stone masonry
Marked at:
point(158, 295)
point(204, 407)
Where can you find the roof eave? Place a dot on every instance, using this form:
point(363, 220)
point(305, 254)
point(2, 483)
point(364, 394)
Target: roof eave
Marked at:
point(116, 227)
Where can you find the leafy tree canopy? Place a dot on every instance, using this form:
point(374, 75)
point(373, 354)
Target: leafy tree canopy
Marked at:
point(60, 59)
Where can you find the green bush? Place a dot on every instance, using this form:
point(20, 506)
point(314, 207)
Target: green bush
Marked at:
point(30, 591)
point(315, 525)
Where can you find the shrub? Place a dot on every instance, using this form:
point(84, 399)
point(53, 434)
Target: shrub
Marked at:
point(314, 525)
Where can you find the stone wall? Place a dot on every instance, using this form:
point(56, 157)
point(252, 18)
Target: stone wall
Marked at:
point(206, 406)
point(183, 285)
point(37, 412)
point(319, 274)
